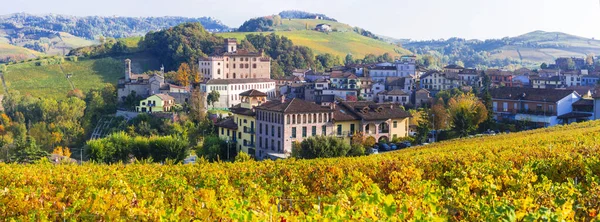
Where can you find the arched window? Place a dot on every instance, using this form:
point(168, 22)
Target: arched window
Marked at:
point(234, 75)
point(254, 66)
point(219, 71)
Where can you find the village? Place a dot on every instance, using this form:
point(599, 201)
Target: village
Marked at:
point(264, 117)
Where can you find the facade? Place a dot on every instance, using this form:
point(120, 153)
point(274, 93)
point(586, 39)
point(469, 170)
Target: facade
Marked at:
point(422, 97)
point(239, 130)
point(590, 80)
point(435, 81)
point(230, 89)
point(540, 106)
point(394, 96)
point(344, 80)
point(470, 77)
point(384, 122)
point(235, 64)
point(500, 78)
point(538, 82)
point(280, 122)
point(572, 78)
point(156, 104)
point(404, 67)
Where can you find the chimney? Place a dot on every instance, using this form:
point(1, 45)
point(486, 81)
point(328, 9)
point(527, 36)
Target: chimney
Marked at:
point(127, 70)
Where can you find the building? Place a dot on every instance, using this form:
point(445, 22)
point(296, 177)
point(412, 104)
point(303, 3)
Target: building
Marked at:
point(282, 122)
point(323, 28)
point(422, 97)
point(384, 122)
point(344, 80)
point(230, 89)
point(590, 80)
point(540, 106)
point(552, 82)
point(500, 78)
point(235, 64)
point(239, 130)
point(156, 104)
point(435, 81)
point(470, 77)
point(572, 78)
point(453, 68)
point(394, 96)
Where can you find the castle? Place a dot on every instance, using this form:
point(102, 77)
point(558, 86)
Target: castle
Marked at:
point(145, 85)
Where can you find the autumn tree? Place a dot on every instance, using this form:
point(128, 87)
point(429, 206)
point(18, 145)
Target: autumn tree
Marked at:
point(183, 74)
point(439, 115)
point(466, 112)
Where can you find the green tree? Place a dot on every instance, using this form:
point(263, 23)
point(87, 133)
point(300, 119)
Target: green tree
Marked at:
point(423, 129)
point(570, 64)
point(29, 152)
point(349, 59)
point(321, 147)
point(213, 97)
point(544, 66)
point(212, 149)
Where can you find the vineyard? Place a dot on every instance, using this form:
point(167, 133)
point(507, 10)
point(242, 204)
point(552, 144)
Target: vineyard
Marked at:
point(548, 174)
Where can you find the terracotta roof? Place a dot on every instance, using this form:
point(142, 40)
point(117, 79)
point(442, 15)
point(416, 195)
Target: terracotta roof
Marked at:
point(531, 94)
point(395, 81)
point(343, 75)
point(237, 109)
point(468, 72)
point(253, 92)
point(227, 124)
point(395, 92)
point(292, 106)
point(165, 97)
point(384, 68)
point(237, 81)
point(341, 113)
point(369, 111)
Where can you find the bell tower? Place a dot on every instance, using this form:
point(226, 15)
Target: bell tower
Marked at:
point(230, 45)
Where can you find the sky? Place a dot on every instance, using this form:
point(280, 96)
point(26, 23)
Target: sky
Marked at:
point(402, 19)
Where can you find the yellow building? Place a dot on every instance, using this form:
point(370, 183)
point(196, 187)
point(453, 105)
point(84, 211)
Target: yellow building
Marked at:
point(380, 121)
point(156, 104)
point(240, 129)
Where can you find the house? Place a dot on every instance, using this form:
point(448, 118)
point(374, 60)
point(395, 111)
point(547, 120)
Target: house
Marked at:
point(235, 64)
point(394, 96)
point(590, 80)
point(323, 28)
point(230, 89)
point(435, 81)
point(239, 130)
point(300, 72)
point(572, 78)
point(282, 122)
point(383, 122)
point(406, 84)
point(470, 77)
point(453, 68)
point(422, 97)
point(539, 82)
point(344, 80)
point(156, 104)
point(500, 78)
point(312, 76)
point(543, 107)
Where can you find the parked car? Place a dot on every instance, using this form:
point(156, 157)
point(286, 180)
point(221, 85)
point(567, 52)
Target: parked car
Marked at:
point(386, 147)
point(374, 151)
point(394, 147)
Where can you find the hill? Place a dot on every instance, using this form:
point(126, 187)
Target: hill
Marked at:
point(10, 52)
point(337, 43)
point(529, 49)
point(527, 176)
point(50, 81)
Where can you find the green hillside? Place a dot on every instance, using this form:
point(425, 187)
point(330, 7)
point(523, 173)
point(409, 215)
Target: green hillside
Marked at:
point(7, 50)
point(340, 42)
point(50, 80)
point(336, 43)
point(548, 46)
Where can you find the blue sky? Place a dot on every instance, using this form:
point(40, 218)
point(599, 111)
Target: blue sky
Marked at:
point(415, 19)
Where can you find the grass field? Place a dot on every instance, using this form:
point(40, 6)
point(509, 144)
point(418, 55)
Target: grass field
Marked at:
point(301, 24)
point(50, 81)
point(8, 49)
point(336, 43)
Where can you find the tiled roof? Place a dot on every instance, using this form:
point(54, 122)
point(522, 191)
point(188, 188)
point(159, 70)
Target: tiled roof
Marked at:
point(379, 68)
point(395, 92)
point(165, 97)
point(531, 94)
point(237, 81)
point(292, 106)
point(253, 92)
point(584, 102)
point(395, 81)
point(453, 67)
point(342, 75)
point(227, 124)
point(370, 111)
point(237, 109)
point(468, 72)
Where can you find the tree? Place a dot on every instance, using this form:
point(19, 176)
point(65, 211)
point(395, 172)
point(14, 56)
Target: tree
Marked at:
point(570, 64)
point(423, 129)
point(213, 97)
point(349, 59)
point(183, 75)
point(322, 147)
point(544, 66)
point(466, 112)
point(369, 142)
point(29, 152)
point(439, 114)
point(213, 149)
point(460, 63)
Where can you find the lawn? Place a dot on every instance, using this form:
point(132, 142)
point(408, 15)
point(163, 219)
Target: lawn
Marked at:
point(50, 80)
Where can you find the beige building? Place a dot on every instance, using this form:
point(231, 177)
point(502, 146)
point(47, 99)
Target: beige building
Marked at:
point(235, 64)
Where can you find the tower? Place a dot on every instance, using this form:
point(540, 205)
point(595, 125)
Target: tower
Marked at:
point(230, 45)
point(127, 70)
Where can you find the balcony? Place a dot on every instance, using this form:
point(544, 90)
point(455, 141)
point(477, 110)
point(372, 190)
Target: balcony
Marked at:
point(253, 145)
point(249, 131)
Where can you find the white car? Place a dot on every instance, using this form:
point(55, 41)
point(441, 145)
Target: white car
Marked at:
point(374, 151)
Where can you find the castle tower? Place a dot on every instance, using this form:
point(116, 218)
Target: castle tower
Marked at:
point(230, 45)
point(127, 70)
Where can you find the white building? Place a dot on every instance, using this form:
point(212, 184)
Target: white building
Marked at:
point(404, 67)
point(230, 89)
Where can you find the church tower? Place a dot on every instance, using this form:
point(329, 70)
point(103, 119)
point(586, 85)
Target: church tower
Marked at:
point(230, 45)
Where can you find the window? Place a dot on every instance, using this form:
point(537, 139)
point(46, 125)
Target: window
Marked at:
point(351, 128)
point(260, 143)
point(288, 119)
point(314, 131)
point(515, 106)
point(495, 106)
point(323, 130)
point(551, 108)
point(222, 131)
point(505, 107)
point(395, 124)
point(538, 107)
point(303, 131)
point(272, 130)
point(260, 128)
point(526, 106)
point(293, 132)
point(293, 119)
point(266, 130)
point(266, 143)
point(254, 66)
point(279, 132)
point(339, 130)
